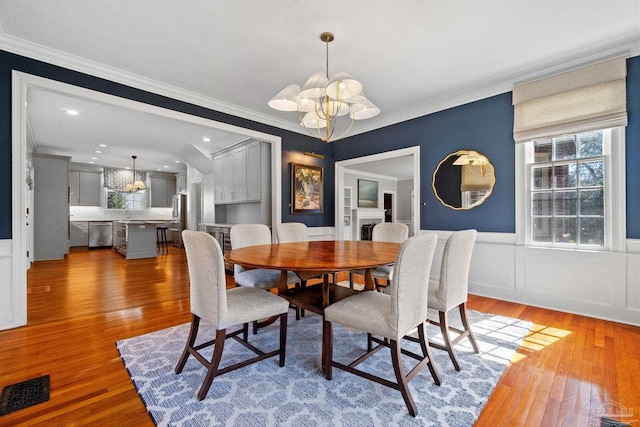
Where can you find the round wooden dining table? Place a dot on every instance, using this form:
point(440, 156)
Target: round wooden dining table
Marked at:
point(312, 258)
point(323, 256)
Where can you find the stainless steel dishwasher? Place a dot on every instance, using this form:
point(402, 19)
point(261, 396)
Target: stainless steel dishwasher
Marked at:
point(100, 234)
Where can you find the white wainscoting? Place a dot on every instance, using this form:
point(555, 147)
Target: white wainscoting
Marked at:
point(604, 285)
point(11, 304)
point(322, 233)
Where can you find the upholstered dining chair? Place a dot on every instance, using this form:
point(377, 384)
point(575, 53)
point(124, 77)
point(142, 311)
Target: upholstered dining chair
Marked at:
point(223, 309)
point(289, 232)
point(391, 316)
point(451, 290)
point(395, 232)
point(243, 235)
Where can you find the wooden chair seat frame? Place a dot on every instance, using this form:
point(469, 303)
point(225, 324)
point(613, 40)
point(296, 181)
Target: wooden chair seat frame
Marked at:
point(213, 365)
point(402, 379)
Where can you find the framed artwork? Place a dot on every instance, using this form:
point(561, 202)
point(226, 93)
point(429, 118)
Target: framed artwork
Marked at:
point(306, 189)
point(367, 193)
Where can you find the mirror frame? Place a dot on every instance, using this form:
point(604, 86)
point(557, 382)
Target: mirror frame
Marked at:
point(458, 154)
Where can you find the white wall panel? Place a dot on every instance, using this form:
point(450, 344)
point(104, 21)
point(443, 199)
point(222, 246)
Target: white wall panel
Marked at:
point(604, 285)
point(10, 303)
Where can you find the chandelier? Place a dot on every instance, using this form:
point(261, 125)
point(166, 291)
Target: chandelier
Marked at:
point(137, 185)
point(322, 100)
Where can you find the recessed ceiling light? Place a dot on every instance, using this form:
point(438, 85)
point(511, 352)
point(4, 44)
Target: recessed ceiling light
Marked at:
point(176, 161)
point(206, 139)
point(91, 162)
point(97, 151)
point(158, 169)
point(102, 145)
point(94, 158)
point(72, 112)
point(166, 167)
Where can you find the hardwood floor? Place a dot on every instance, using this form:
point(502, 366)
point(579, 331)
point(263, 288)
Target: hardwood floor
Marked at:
point(566, 370)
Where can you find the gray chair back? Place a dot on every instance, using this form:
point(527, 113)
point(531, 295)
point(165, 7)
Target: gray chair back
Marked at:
point(243, 235)
point(207, 283)
point(292, 232)
point(394, 232)
point(409, 294)
point(454, 270)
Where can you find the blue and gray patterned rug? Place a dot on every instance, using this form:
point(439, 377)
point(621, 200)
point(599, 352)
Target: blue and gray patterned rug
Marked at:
point(263, 394)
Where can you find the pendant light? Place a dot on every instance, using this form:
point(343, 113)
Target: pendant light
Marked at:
point(137, 185)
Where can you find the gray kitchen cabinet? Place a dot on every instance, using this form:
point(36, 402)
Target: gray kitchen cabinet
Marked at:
point(236, 174)
point(78, 233)
point(85, 188)
point(239, 174)
point(162, 191)
point(50, 207)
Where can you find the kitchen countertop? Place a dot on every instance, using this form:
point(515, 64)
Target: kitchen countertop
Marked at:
point(213, 224)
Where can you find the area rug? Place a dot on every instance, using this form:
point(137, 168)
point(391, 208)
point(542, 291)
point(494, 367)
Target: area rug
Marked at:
point(297, 395)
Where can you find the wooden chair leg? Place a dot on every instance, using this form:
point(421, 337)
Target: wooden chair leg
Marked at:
point(212, 369)
point(328, 349)
point(444, 327)
point(351, 279)
point(245, 332)
point(465, 324)
point(426, 352)
point(193, 333)
point(403, 385)
point(283, 338)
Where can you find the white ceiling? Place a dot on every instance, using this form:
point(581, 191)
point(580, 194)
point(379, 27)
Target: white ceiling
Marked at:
point(413, 57)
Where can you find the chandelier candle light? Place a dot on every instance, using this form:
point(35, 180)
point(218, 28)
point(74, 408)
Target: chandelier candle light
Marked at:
point(137, 185)
point(323, 100)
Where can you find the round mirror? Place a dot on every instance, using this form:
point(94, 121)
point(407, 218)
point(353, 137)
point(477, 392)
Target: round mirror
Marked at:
point(464, 179)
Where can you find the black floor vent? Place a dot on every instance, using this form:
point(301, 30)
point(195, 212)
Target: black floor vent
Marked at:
point(22, 395)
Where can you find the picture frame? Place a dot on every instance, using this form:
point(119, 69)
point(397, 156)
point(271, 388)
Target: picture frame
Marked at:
point(367, 193)
point(307, 189)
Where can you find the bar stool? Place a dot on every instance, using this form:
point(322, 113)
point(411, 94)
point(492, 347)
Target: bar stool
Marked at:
point(161, 239)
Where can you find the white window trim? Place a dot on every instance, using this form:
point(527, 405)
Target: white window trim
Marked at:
point(615, 189)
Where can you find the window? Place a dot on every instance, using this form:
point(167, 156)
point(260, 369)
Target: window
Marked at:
point(573, 197)
point(131, 201)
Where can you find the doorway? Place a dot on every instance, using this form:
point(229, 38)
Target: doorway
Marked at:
point(22, 83)
point(378, 161)
point(388, 203)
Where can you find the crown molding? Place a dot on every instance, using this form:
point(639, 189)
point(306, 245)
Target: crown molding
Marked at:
point(627, 47)
point(96, 69)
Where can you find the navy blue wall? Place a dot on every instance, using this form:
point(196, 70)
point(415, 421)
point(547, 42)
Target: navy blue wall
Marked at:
point(633, 148)
point(291, 141)
point(485, 126)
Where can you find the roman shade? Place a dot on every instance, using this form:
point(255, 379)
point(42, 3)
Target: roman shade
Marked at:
point(117, 179)
point(589, 98)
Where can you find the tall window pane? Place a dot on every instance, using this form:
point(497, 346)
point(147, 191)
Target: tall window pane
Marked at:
point(568, 190)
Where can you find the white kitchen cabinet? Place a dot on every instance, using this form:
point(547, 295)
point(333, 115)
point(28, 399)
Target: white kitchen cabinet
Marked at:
point(217, 178)
point(162, 191)
point(253, 171)
point(237, 174)
point(85, 188)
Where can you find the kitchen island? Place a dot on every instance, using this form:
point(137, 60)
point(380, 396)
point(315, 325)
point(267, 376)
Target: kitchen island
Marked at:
point(136, 239)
